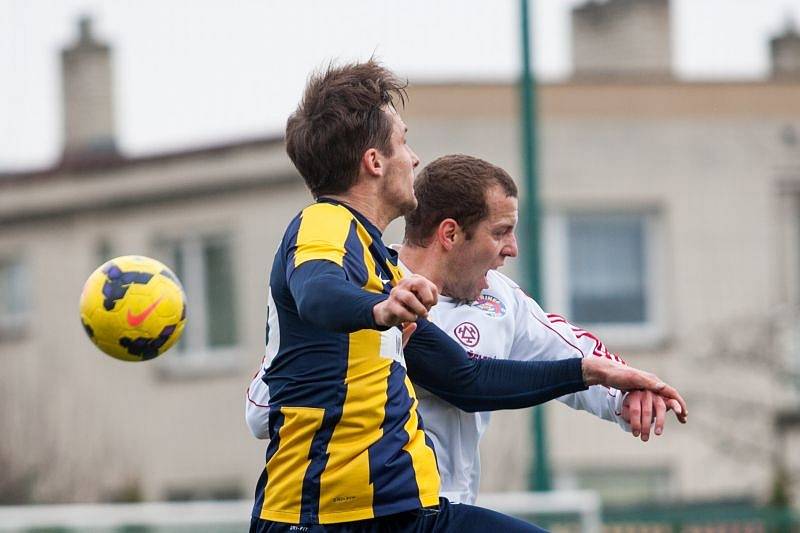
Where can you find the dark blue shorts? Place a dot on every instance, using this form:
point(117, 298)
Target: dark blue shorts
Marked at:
point(444, 517)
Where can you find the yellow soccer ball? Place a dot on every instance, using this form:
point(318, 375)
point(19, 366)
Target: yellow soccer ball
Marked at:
point(133, 308)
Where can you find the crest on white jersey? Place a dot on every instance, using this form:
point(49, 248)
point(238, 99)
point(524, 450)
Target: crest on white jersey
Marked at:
point(491, 305)
point(467, 333)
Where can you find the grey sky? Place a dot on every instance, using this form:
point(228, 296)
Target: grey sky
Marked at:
point(190, 72)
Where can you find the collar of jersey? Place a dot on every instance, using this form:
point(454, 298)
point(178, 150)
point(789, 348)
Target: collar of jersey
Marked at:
point(374, 232)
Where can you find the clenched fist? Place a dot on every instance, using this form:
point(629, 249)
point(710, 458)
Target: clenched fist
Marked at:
point(409, 300)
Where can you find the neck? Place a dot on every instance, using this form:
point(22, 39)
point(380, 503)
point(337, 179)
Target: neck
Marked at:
point(368, 203)
point(426, 262)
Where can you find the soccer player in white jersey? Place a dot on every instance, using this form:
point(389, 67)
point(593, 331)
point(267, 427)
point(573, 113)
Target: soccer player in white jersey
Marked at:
point(458, 245)
point(462, 231)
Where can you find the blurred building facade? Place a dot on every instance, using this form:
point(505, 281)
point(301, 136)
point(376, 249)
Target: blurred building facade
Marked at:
point(671, 229)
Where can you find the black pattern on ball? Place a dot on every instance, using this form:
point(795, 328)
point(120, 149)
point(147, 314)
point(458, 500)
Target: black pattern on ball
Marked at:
point(167, 274)
point(145, 347)
point(88, 329)
point(117, 283)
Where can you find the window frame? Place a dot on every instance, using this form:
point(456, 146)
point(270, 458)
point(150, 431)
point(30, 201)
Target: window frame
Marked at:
point(649, 334)
point(198, 359)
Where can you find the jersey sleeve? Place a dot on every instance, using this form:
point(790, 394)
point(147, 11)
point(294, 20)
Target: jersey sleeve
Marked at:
point(437, 363)
point(539, 336)
point(327, 299)
point(320, 234)
point(322, 261)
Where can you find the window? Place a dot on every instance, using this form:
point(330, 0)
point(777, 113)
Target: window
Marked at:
point(205, 267)
point(606, 269)
point(603, 272)
point(15, 294)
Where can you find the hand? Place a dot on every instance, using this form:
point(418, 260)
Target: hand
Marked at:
point(641, 408)
point(602, 371)
point(409, 300)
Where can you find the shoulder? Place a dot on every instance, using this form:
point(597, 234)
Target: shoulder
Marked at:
point(510, 290)
point(324, 222)
point(505, 287)
point(326, 209)
point(319, 232)
point(324, 215)
point(500, 281)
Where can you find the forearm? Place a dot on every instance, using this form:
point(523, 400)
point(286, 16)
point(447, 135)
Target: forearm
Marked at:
point(439, 364)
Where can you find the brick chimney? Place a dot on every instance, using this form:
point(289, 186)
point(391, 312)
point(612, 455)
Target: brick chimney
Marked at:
point(88, 97)
point(785, 52)
point(628, 38)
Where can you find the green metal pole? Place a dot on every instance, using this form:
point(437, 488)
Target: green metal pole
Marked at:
point(540, 469)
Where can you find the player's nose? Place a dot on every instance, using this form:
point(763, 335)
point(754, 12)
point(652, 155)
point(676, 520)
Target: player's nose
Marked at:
point(414, 158)
point(511, 249)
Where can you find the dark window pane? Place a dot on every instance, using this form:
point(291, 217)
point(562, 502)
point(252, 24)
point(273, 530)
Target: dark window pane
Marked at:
point(220, 308)
point(607, 279)
point(14, 293)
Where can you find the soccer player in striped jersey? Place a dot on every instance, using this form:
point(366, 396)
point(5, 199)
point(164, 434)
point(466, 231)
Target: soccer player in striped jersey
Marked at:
point(347, 450)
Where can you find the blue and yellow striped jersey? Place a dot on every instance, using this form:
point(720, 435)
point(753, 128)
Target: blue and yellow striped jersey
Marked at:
point(346, 440)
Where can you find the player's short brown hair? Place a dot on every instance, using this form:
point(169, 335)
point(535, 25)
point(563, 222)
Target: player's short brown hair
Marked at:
point(339, 118)
point(453, 186)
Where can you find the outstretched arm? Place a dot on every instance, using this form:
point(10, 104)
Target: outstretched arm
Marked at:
point(540, 336)
point(439, 364)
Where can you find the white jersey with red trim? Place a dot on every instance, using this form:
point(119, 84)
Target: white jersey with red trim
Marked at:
point(502, 323)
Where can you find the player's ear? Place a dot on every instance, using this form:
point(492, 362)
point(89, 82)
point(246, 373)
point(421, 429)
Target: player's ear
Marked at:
point(447, 233)
point(372, 163)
